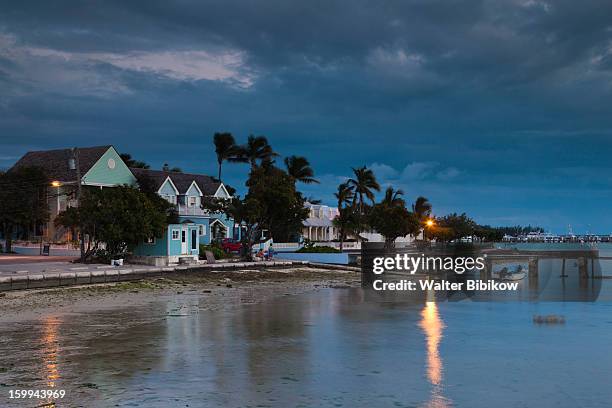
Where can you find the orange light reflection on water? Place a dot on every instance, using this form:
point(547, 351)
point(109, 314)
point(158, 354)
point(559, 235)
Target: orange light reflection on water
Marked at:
point(433, 326)
point(50, 349)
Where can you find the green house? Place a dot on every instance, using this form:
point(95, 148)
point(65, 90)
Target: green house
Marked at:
point(99, 166)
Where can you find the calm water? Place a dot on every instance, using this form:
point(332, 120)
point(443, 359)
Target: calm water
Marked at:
point(331, 348)
point(605, 249)
point(341, 259)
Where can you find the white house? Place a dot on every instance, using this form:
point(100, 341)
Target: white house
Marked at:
point(319, 224)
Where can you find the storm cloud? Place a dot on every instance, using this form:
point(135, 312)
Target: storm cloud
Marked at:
point(497, 108)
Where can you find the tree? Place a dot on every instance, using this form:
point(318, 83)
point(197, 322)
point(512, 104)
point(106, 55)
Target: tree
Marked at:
point(393, 198)
point(127, 159)
point(120, 217)
point(282, 206)
point(272, 201)
point(392, 220)
point(23, 202)
point(226, 149)
point(453, 226)
point(256, 151)
point(488, 233)
point(364, 184)
point(299, 168)
point(422, 208)
point(345, 221)
point(248, 213)
point(344, 195)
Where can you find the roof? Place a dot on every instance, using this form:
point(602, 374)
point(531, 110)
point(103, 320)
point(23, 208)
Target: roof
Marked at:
point(317, 222)
point(55, 162)
point(182, 181)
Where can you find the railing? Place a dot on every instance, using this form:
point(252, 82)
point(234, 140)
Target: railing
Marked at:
point(333, 244)
point(287, 245)
point(191, 210)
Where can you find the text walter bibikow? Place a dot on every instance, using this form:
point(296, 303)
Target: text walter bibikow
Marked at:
point(403, 263)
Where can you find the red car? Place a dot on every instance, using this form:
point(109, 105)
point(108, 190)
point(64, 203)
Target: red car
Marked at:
point(229, 245)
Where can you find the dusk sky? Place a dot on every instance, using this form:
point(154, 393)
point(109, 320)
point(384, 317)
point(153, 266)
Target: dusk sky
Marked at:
point(501, 109)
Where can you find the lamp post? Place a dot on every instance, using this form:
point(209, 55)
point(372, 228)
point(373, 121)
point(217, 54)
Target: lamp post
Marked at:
point(429, 224)
point(57, 184)
point(75, 153)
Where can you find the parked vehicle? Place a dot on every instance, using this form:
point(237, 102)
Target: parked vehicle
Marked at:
point(229, 245)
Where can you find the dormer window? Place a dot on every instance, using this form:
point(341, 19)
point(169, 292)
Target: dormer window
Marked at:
point(170, 198)
point(192, 201)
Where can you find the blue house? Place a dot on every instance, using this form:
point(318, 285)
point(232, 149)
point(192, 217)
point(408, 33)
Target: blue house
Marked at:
point(179, 242)
point(187, 191)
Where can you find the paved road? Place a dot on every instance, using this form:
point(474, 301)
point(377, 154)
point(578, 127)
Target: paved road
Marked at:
point(15, 259)
point(14, 265)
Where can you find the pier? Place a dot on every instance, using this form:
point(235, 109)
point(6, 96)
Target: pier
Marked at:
point(557, 275)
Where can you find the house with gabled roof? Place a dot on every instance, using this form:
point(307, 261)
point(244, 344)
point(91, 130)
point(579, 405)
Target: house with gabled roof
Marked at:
point(187, 191)
point(99, 166)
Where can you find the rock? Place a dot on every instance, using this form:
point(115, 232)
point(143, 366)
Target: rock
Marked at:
point(548, 319)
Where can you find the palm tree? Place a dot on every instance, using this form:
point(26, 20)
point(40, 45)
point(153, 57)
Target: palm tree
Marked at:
point(130, 162)
point(344, 221)
point(257, 148)
point(344, 195)
point(347, 223)
point(299, 168)
point(364, 183)
point(393, 198)
point(422, 208)
point(226, 149)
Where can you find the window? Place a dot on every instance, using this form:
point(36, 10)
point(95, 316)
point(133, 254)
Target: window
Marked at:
point(175, 234)
point(150, 240)
point(170, 198)
point(192, 201)
point(202, 229)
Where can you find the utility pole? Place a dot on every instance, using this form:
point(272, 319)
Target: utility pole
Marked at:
point(75, 153)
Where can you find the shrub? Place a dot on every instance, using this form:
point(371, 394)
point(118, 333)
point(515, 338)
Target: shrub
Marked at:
point(318, 250)
point(216, 250)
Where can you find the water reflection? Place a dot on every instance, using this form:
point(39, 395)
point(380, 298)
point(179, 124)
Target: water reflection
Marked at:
point(50, 349)
point(432, 325)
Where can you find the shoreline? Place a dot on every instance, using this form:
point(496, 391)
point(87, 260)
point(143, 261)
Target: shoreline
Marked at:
point(213, 289)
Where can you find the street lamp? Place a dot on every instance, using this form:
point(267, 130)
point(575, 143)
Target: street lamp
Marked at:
point(57, 184)
point(429, 224)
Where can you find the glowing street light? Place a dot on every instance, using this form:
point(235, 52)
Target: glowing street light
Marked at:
point(56, 183)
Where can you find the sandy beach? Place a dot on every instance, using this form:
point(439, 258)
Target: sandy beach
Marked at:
point(214, 289)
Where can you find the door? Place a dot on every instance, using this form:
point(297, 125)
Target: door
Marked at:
point(194, 240)
point(184, 241)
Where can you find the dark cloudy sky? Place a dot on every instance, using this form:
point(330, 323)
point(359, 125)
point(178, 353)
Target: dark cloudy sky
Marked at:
point(501, 109)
